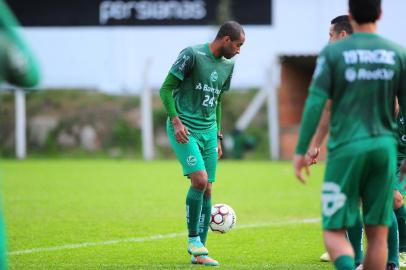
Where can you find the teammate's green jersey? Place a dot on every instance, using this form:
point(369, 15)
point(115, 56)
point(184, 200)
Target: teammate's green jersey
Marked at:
point(361, 74)
point(204, 78)
point(401, 135)
point(17, 64)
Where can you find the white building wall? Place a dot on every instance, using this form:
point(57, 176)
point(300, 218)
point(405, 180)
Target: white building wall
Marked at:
point(113, 58)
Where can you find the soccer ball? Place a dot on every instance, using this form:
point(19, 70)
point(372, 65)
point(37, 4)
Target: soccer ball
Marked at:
point(223, 218)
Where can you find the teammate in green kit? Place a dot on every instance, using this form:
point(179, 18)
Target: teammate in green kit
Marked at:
point(17, 66)
point(362, 75)
point(191, 95)
point(340, 28)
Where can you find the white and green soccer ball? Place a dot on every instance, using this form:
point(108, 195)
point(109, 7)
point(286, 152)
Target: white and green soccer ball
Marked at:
point(223, 218)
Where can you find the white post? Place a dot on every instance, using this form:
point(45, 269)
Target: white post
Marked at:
point(273, 116)
point(20, 124)
point(146, 114)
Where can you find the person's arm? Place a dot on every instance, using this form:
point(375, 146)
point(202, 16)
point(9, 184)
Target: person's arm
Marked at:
point(171, 82)
point(21, 66)
point(318, 138)
point(166, 93)
point(178, 72)
point(319, 91)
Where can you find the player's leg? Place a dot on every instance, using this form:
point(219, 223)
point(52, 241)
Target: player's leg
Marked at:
point(339, 248)
point(210, 156)
point(355, 236)
point(190, 157)
point(340, 206)
point(375, 257)
point(400, 212)
point(393, 243)
point(194, 203)
point(401, 219)
point(393, 234)
point(205, 216)
point(377, 201)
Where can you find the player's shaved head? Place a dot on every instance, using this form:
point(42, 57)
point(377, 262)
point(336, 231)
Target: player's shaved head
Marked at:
point(342, 23)
point(232, 29)
point(365, 11)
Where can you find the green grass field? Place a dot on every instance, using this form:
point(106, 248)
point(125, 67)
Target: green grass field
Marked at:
point(103, 214)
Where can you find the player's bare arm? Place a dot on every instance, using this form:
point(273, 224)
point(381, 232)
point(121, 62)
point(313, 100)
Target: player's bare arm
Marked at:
point(321, 132)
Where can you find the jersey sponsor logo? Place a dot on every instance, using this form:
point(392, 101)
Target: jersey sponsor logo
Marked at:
point(207, 88)
point(332, 199)
point(350, 74)
point(214, 76)
point(191, 160)
point(403, 138)
point(201, 53)
point(379, 56)
point(362, 74)
point(319, 66)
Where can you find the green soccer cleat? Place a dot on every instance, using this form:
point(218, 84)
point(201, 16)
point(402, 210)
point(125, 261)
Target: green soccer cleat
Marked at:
point(402, 259)
point(325, 257)
point(204, 260)
point(195, 247)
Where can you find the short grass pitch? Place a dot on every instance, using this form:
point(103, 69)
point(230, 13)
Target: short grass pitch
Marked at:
point(120, 214)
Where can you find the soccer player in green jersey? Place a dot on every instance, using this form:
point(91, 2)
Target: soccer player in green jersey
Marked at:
point(362, 75)
point(17, 66)
point(191, 95)
point(340, 28)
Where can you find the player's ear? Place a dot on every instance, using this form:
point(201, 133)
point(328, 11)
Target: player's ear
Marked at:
point(226, 39)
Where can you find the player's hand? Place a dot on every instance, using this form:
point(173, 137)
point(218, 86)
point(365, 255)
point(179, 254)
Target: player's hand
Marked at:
point(219, 149)
point(312, 155)
point(402, 170)
point(300, 162)
point(181, 132)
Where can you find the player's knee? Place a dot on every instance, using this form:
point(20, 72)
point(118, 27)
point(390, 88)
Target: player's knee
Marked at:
point(397, 200)
point(199, 180)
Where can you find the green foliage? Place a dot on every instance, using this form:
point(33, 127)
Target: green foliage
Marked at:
point(126, 136)
point(114, 117)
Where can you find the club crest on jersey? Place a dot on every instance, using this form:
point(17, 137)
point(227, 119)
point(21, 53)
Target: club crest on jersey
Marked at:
point(332, 199)
point(214, 76)
point(191, 160)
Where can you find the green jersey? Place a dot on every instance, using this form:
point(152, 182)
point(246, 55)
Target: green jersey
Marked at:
point(203, 79)
point(17, 64)
point(401, 135)
point(361, 74)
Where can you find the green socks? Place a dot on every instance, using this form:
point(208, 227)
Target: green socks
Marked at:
point(194, 200)
point(355, 237)
point(401, 218)
point(344, 262)
point(205, 219)
point(393, 242)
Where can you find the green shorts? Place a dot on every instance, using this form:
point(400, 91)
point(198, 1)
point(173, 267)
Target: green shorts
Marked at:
point(361, 171)
point(400, 185)
point(199, 154)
